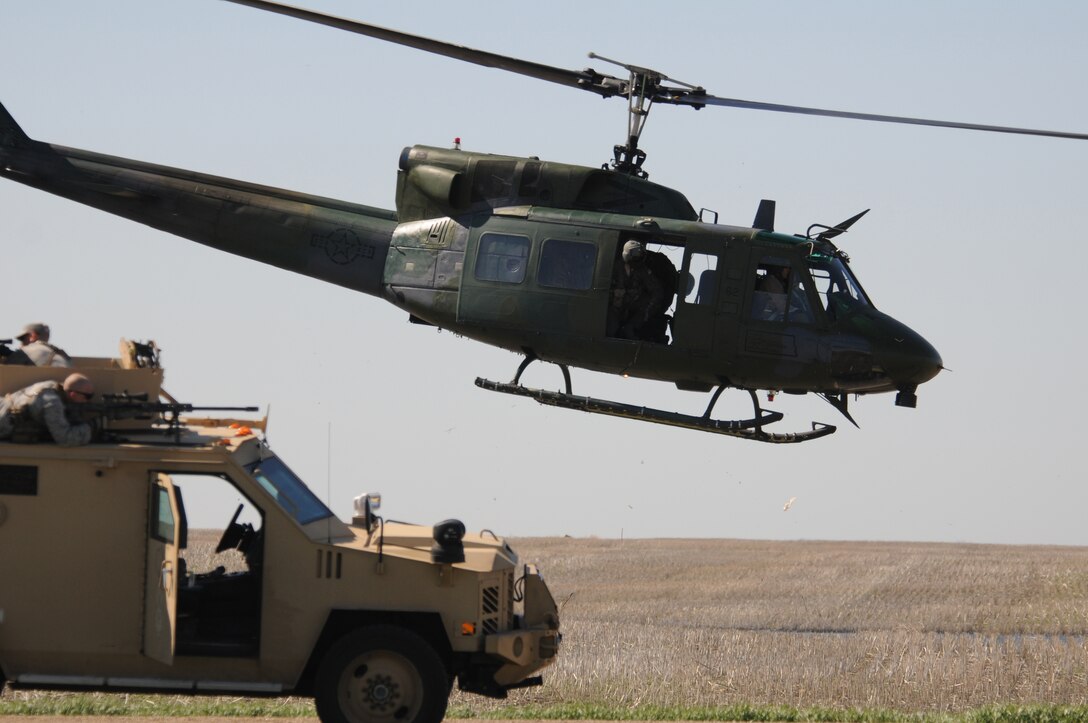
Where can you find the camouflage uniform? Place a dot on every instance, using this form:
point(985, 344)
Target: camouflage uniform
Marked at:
point(44, 354)
point(636, 296)
point(39, 408)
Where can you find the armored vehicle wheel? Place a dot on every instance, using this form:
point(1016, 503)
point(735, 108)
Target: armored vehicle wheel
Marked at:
point(382, 673)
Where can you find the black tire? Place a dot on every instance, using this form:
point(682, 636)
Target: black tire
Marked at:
point(381, 674)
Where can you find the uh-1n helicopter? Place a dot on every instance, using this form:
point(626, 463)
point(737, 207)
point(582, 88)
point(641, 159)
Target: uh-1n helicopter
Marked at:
point(526, 255)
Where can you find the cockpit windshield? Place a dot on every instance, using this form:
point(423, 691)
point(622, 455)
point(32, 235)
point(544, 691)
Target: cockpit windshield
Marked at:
point(835, 284)
point(289, 492)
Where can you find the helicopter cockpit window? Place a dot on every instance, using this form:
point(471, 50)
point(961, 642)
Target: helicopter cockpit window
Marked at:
point(567, 264)
point(836, 286)
point(502, 257)
point(780, 293)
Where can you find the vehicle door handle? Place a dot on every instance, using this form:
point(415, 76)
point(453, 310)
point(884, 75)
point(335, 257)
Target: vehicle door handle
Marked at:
point(166, 581)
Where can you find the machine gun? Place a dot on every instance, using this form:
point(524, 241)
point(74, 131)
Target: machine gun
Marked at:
point(12, 356)
point(164, 415)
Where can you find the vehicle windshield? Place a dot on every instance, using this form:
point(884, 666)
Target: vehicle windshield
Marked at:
point(835, 284)
point(289, 492)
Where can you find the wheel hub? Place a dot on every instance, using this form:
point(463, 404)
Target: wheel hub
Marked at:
point(380, 692)
point(380, 686)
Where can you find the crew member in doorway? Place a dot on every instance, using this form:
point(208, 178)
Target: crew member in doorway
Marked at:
point(637, 295)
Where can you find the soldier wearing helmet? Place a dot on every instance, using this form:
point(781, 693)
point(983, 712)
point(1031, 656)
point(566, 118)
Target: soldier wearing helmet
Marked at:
point(637, 295)
point(31, 413)
point(36, 350)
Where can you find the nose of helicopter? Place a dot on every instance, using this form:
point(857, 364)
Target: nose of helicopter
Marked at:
point(908, 360)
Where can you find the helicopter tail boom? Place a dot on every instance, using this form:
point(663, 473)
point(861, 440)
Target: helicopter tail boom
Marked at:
point(335, 241)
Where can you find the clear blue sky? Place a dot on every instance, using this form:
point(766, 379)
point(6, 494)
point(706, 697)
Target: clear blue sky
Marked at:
point(975, 240)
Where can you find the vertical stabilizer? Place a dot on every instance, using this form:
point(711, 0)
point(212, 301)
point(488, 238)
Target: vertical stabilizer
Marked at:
point(11, 135)
point(764, 216)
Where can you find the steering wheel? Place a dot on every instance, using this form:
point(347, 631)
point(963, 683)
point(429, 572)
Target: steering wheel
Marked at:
point(233, 534)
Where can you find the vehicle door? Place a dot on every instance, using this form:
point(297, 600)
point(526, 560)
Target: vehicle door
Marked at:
point(166, 527)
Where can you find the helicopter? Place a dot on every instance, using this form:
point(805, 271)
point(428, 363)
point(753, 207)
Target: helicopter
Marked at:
point(522, 254)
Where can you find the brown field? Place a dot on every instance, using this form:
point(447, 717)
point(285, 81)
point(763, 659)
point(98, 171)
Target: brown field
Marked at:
point(903, 626)
point(907, 626)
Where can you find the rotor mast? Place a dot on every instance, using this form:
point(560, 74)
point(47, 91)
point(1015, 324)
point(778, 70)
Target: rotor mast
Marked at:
point(642, 86)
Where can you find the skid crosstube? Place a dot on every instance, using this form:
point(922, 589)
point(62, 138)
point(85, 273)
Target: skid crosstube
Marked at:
point(743, 428)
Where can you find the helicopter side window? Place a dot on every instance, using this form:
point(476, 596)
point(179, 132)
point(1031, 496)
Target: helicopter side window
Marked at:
point(502, 257)
point(701, 277)
point(780, 293)
point(567, 264)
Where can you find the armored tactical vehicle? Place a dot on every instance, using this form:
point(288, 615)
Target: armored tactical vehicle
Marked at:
point(375, 619)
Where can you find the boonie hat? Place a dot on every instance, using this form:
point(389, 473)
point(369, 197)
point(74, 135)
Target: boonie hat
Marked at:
point(42, 330)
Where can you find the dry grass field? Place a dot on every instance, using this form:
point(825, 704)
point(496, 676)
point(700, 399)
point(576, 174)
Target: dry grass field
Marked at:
point(918, 628)
point(904, 626)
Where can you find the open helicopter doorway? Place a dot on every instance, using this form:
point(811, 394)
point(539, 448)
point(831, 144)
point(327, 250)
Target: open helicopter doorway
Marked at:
point(687, 272)
point(645, 286)
point(219, 567)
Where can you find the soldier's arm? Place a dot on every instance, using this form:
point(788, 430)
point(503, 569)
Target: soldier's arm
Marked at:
point(56, 421)
point(657, 295)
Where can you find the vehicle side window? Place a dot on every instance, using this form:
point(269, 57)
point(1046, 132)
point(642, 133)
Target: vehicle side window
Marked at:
point(779, 292)
point(502, 257)
point(567, 264)
point(162, 517)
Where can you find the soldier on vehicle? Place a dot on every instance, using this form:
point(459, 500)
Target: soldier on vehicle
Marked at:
point(35, 349)
point(32, 413)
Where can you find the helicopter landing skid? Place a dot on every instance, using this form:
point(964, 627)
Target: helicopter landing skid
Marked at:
point(744, 428)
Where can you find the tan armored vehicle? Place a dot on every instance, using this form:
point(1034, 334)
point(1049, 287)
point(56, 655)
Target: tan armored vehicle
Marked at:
point(100, 589)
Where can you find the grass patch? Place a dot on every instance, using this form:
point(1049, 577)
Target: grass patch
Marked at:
point(40, 703)
point(769, 713)
point(149, 705)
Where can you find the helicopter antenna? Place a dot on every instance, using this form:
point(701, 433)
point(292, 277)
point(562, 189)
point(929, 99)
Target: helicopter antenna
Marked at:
point(643, 85)
point(830, 232)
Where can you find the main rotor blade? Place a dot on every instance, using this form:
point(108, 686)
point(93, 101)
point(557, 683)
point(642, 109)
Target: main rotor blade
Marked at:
point(607, 85)
point(603, 85)
point(754, 105)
